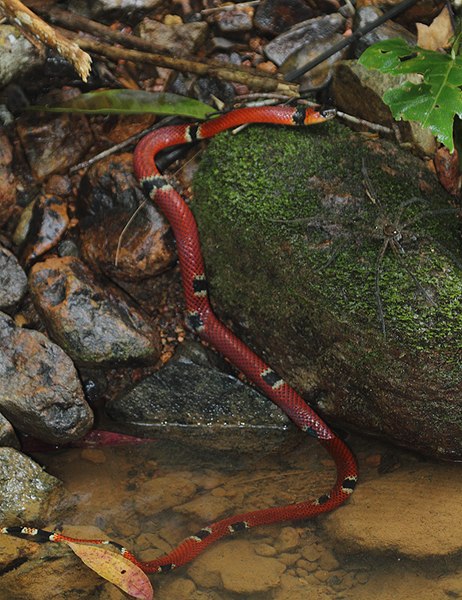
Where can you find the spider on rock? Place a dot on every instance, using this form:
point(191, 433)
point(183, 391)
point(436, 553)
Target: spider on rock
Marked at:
point(396, 233)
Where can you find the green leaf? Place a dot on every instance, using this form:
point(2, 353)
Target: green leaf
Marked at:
point(415, 102)
point(132, 102)
point(436, 100)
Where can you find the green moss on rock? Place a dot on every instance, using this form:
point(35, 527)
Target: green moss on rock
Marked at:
point(293, 245)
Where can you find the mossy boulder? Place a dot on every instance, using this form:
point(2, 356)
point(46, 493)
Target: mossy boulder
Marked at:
point(352, 295)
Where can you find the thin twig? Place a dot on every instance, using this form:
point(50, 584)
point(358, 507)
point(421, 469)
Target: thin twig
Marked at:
point(126, 226)
point(78, 23)
point(228, 7)
point(128, 142)
point(253, 78)
point(373, 126)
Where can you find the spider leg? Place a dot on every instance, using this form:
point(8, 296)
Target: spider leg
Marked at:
point(427, 213)
point(394, 244)
point(377, 289)
point(370, 191)
point(320, 224)
point(304, 220)
point(406, 203)
point(334, 254)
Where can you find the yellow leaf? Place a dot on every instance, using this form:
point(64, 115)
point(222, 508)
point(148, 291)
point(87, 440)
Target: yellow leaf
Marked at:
point(437, 34)
point(116, 569)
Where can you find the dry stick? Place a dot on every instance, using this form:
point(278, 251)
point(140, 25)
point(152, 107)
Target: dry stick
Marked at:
point(131, 140)
point(21, 16)
point(249, 77)
point(228, 7)
point(78, 23)
point(373, 126)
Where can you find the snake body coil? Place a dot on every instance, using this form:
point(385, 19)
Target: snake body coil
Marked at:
point(202, 320)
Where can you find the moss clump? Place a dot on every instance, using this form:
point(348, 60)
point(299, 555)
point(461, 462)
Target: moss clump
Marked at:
point(303, 190)
point(294, 246)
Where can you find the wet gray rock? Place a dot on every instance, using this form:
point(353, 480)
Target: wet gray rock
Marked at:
point(233, 22)
point(184, 37)
point(207, 88)
point(303, 35)
point(29, 495)
point(273, 17)
point(97, 325)
point(18, 55)
point(187, 395)
point(322, 74)
point(366, 15)
point(40, 393)
point(13, 280)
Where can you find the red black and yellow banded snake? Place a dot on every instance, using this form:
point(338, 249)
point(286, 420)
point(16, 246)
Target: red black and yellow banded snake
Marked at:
point(202, 320)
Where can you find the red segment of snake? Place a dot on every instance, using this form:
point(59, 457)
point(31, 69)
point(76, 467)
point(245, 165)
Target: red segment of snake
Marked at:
point(202, 320)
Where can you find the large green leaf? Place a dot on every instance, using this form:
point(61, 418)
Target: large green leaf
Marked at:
point(132, 102)
point(436, 100)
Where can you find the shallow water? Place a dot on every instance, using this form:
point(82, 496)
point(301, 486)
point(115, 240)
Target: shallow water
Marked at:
point(109, 484)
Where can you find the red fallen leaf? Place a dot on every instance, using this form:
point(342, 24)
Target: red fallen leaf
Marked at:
point(447, 168)
point(107, 438)
point(92, 439)
point(116, 569)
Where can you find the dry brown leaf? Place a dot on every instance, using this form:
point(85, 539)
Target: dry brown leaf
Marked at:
point(436, 35)
point(116, 569)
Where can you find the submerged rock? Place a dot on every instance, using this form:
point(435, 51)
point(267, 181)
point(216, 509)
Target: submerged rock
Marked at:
point(372, 521)
point(352, 295)
point(234, 566)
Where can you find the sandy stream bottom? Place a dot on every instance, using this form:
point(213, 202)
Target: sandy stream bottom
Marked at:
point(117, 492)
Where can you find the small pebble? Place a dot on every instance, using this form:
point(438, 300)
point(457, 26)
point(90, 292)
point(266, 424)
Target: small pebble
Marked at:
point(322, 575)
point(362, 577)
